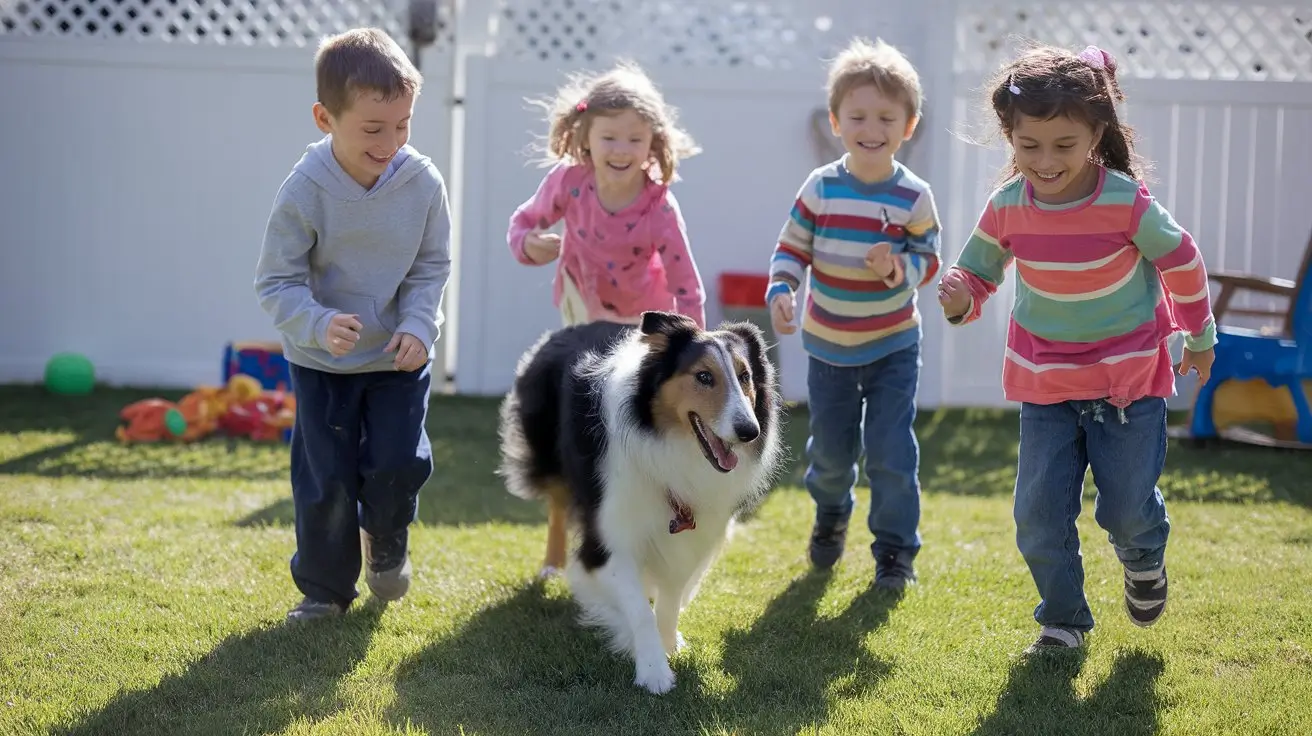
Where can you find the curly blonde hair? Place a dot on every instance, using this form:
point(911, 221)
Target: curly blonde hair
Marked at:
point(879, 64)
point(625, 87)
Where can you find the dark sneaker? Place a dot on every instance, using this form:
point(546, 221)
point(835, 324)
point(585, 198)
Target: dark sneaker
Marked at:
point(309, 609)
point(894, 571)
point(1056, 638)
point(827, 539)
point(1145, 595)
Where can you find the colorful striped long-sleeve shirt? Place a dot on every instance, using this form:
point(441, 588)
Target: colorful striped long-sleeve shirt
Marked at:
point(1101, 284)
point(852, 316)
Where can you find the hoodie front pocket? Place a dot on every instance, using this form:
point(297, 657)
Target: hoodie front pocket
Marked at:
point(373, 334)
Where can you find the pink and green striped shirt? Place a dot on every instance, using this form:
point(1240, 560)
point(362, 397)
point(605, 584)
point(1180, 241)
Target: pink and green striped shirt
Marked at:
point(1101, 284)
point(853, 317)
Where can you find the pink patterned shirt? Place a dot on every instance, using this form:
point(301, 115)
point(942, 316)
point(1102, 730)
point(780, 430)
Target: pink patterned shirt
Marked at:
point(623, 263)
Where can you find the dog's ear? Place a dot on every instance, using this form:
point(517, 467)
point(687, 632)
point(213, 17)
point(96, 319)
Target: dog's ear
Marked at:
point(751, 334)
point(748, 331)
point(667, 324)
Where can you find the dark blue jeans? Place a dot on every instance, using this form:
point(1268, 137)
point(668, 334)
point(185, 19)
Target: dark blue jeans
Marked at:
point(359, 455)
point(870, 407)
point(1126, 450)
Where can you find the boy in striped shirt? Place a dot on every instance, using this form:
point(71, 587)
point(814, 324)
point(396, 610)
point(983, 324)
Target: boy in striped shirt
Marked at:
point(867, 229)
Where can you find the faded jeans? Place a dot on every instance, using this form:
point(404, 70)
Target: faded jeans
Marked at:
point(871, 408)
point(1126, 448)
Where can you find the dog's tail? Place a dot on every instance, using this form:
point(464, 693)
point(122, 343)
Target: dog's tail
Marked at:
point(516, 460)
point(516, 451)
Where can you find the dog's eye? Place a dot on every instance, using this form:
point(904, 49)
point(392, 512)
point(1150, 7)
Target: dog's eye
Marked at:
point(705, 378)
point(744, 377)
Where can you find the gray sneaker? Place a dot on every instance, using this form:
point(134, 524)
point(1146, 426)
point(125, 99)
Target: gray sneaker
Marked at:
point(1056, 638)
point(309, 609)
point(386, 564)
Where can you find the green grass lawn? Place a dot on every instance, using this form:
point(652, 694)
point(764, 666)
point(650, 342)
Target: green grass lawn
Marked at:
point(142, 590)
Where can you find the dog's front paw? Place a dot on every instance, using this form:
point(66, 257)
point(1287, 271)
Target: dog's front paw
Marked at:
point(655, 677)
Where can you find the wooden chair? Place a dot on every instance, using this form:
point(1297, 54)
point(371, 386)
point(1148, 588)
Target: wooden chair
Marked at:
point(1232, 283)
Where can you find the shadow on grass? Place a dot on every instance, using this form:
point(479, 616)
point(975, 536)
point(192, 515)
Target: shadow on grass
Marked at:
point(781, 692)
point(1040, 698)
point(255, 682)
point(523, 665)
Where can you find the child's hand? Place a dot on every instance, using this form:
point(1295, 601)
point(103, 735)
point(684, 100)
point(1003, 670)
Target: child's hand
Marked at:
point(410, 352)
point(1200, 362)
point(781, 314)
point(542, 248)
point(343, 334)
point(881, 260)
point(953, 295)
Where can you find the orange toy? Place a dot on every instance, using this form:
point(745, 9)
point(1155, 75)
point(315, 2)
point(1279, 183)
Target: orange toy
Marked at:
point(242, 407)
point(150, 420)
point(198, 408)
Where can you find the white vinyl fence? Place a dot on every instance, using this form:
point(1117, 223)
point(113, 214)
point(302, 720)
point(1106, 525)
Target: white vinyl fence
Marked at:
point(152, 136)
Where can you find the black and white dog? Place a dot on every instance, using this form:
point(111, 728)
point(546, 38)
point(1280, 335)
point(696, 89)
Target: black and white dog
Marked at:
point(648, 438)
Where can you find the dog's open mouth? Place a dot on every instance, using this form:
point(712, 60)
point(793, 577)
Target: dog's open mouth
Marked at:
point(713, 447)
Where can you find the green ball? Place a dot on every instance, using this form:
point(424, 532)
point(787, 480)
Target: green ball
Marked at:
point(70, 374)
point(174, 422)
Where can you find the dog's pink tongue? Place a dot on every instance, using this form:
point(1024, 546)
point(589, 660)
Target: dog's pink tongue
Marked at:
point(723, 455)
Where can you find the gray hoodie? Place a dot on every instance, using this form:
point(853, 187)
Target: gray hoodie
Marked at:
point(332, 246)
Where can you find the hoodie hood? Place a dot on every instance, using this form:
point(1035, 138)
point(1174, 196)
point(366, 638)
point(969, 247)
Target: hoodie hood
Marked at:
point(322, 168)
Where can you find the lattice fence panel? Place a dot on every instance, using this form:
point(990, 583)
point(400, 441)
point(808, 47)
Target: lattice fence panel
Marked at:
point(778, 34)
point(1237, 40)
point(241, 22)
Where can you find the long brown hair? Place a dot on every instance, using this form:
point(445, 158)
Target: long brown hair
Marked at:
point(625, 87)
point(1047, 81)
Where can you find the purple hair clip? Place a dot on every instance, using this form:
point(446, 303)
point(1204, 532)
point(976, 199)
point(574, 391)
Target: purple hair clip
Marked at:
point(1097, 58)
point(1011, 86)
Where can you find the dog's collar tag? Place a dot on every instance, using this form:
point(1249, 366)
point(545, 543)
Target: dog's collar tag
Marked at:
point(683, 519)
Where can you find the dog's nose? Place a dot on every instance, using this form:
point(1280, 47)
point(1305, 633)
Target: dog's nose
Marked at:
point(746, 431)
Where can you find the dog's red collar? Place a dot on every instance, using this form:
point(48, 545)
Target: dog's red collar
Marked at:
point(683, 519)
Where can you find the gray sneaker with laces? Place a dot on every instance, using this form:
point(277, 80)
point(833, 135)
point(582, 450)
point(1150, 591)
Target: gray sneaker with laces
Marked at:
point(386, 564)
point(309, 609)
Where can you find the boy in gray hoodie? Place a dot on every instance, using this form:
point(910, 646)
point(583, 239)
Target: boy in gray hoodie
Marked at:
point(355, 260)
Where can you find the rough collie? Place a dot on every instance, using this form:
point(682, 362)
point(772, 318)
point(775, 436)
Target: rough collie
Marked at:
point(648, 438)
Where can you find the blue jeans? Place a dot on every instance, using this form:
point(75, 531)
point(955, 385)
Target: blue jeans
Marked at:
point(359, 455)
point(1126, 450)
point(870, 407)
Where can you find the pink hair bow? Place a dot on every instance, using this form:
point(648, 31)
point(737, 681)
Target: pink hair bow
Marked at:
point(1097, 58)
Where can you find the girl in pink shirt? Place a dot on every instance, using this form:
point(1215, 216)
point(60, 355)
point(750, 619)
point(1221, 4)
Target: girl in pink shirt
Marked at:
point(615, 146)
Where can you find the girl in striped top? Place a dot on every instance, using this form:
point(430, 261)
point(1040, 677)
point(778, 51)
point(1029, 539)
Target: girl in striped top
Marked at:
point(1104, 277)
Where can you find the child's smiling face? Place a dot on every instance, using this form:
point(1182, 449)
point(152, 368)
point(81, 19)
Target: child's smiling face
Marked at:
point(619, 145)
point(1054, 155)
point(873, 127)
point(368, 134)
